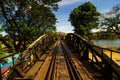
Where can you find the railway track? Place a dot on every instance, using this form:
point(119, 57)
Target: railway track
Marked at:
point(54, 72)
point(62, 64)
point(74, 75)
point(58, 62)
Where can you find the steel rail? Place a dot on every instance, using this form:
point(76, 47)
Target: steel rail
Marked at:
point(51, 70)
point(74, 75)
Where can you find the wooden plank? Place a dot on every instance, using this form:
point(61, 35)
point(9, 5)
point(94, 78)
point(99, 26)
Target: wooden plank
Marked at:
point(43, 71)
point(84, 73)
point(33, 70)
point(21, 79)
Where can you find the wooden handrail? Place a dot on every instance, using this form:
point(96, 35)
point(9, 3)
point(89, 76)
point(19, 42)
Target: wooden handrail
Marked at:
point(42, 42)
point(76, 41)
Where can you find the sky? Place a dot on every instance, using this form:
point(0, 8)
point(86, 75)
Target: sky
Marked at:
point(66, 6)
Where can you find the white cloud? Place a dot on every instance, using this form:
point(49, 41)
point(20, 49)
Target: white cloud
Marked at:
point(69, 2)
point(105, 11)
point(98, 30)
point(66, 29)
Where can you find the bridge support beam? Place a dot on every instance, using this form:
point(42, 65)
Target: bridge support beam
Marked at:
point(0, 72)
point(86, 54)
point(107, 71)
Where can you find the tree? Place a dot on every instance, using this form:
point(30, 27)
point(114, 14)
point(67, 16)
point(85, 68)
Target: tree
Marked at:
point(84, 18)
point(112, 20)
point(24, 20)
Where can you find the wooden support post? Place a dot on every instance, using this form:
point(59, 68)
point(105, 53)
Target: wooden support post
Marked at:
point(111, 57)
point(13, 60)
point(77, 44)
point(108, 72)
point(86, 54)
point(0, 70)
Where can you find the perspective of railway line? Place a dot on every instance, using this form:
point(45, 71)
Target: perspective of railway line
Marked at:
point(58, 60)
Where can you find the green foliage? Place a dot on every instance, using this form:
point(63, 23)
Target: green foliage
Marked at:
point(113, 24)
point(1, 29)
point(112, 20)
point(2, 52)
point(25, 20)
point(84, 18)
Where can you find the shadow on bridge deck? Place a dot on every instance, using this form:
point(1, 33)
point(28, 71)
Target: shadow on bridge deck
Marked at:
point(48, 59)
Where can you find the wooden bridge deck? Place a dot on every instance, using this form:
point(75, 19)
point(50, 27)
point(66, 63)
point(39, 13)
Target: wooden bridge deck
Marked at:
point(68, 60)
point(40, 68)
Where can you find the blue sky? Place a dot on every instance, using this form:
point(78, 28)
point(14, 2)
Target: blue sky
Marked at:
point(66, 6)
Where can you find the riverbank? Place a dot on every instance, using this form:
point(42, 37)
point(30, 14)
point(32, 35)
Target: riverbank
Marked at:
point(106, 42)
point(115, 55)
point(112, 47)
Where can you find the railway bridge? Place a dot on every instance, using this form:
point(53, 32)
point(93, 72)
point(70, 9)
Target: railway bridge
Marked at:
point(69, 57)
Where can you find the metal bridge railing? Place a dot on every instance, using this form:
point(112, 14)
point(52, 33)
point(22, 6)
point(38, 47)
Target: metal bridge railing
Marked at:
point(25, 59)
point(95, 55)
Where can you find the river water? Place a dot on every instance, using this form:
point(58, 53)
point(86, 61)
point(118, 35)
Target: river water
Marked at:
point(106, 42)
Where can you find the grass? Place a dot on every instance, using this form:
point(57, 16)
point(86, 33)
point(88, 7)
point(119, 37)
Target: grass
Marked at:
point(115, 55)
point(112, 47)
